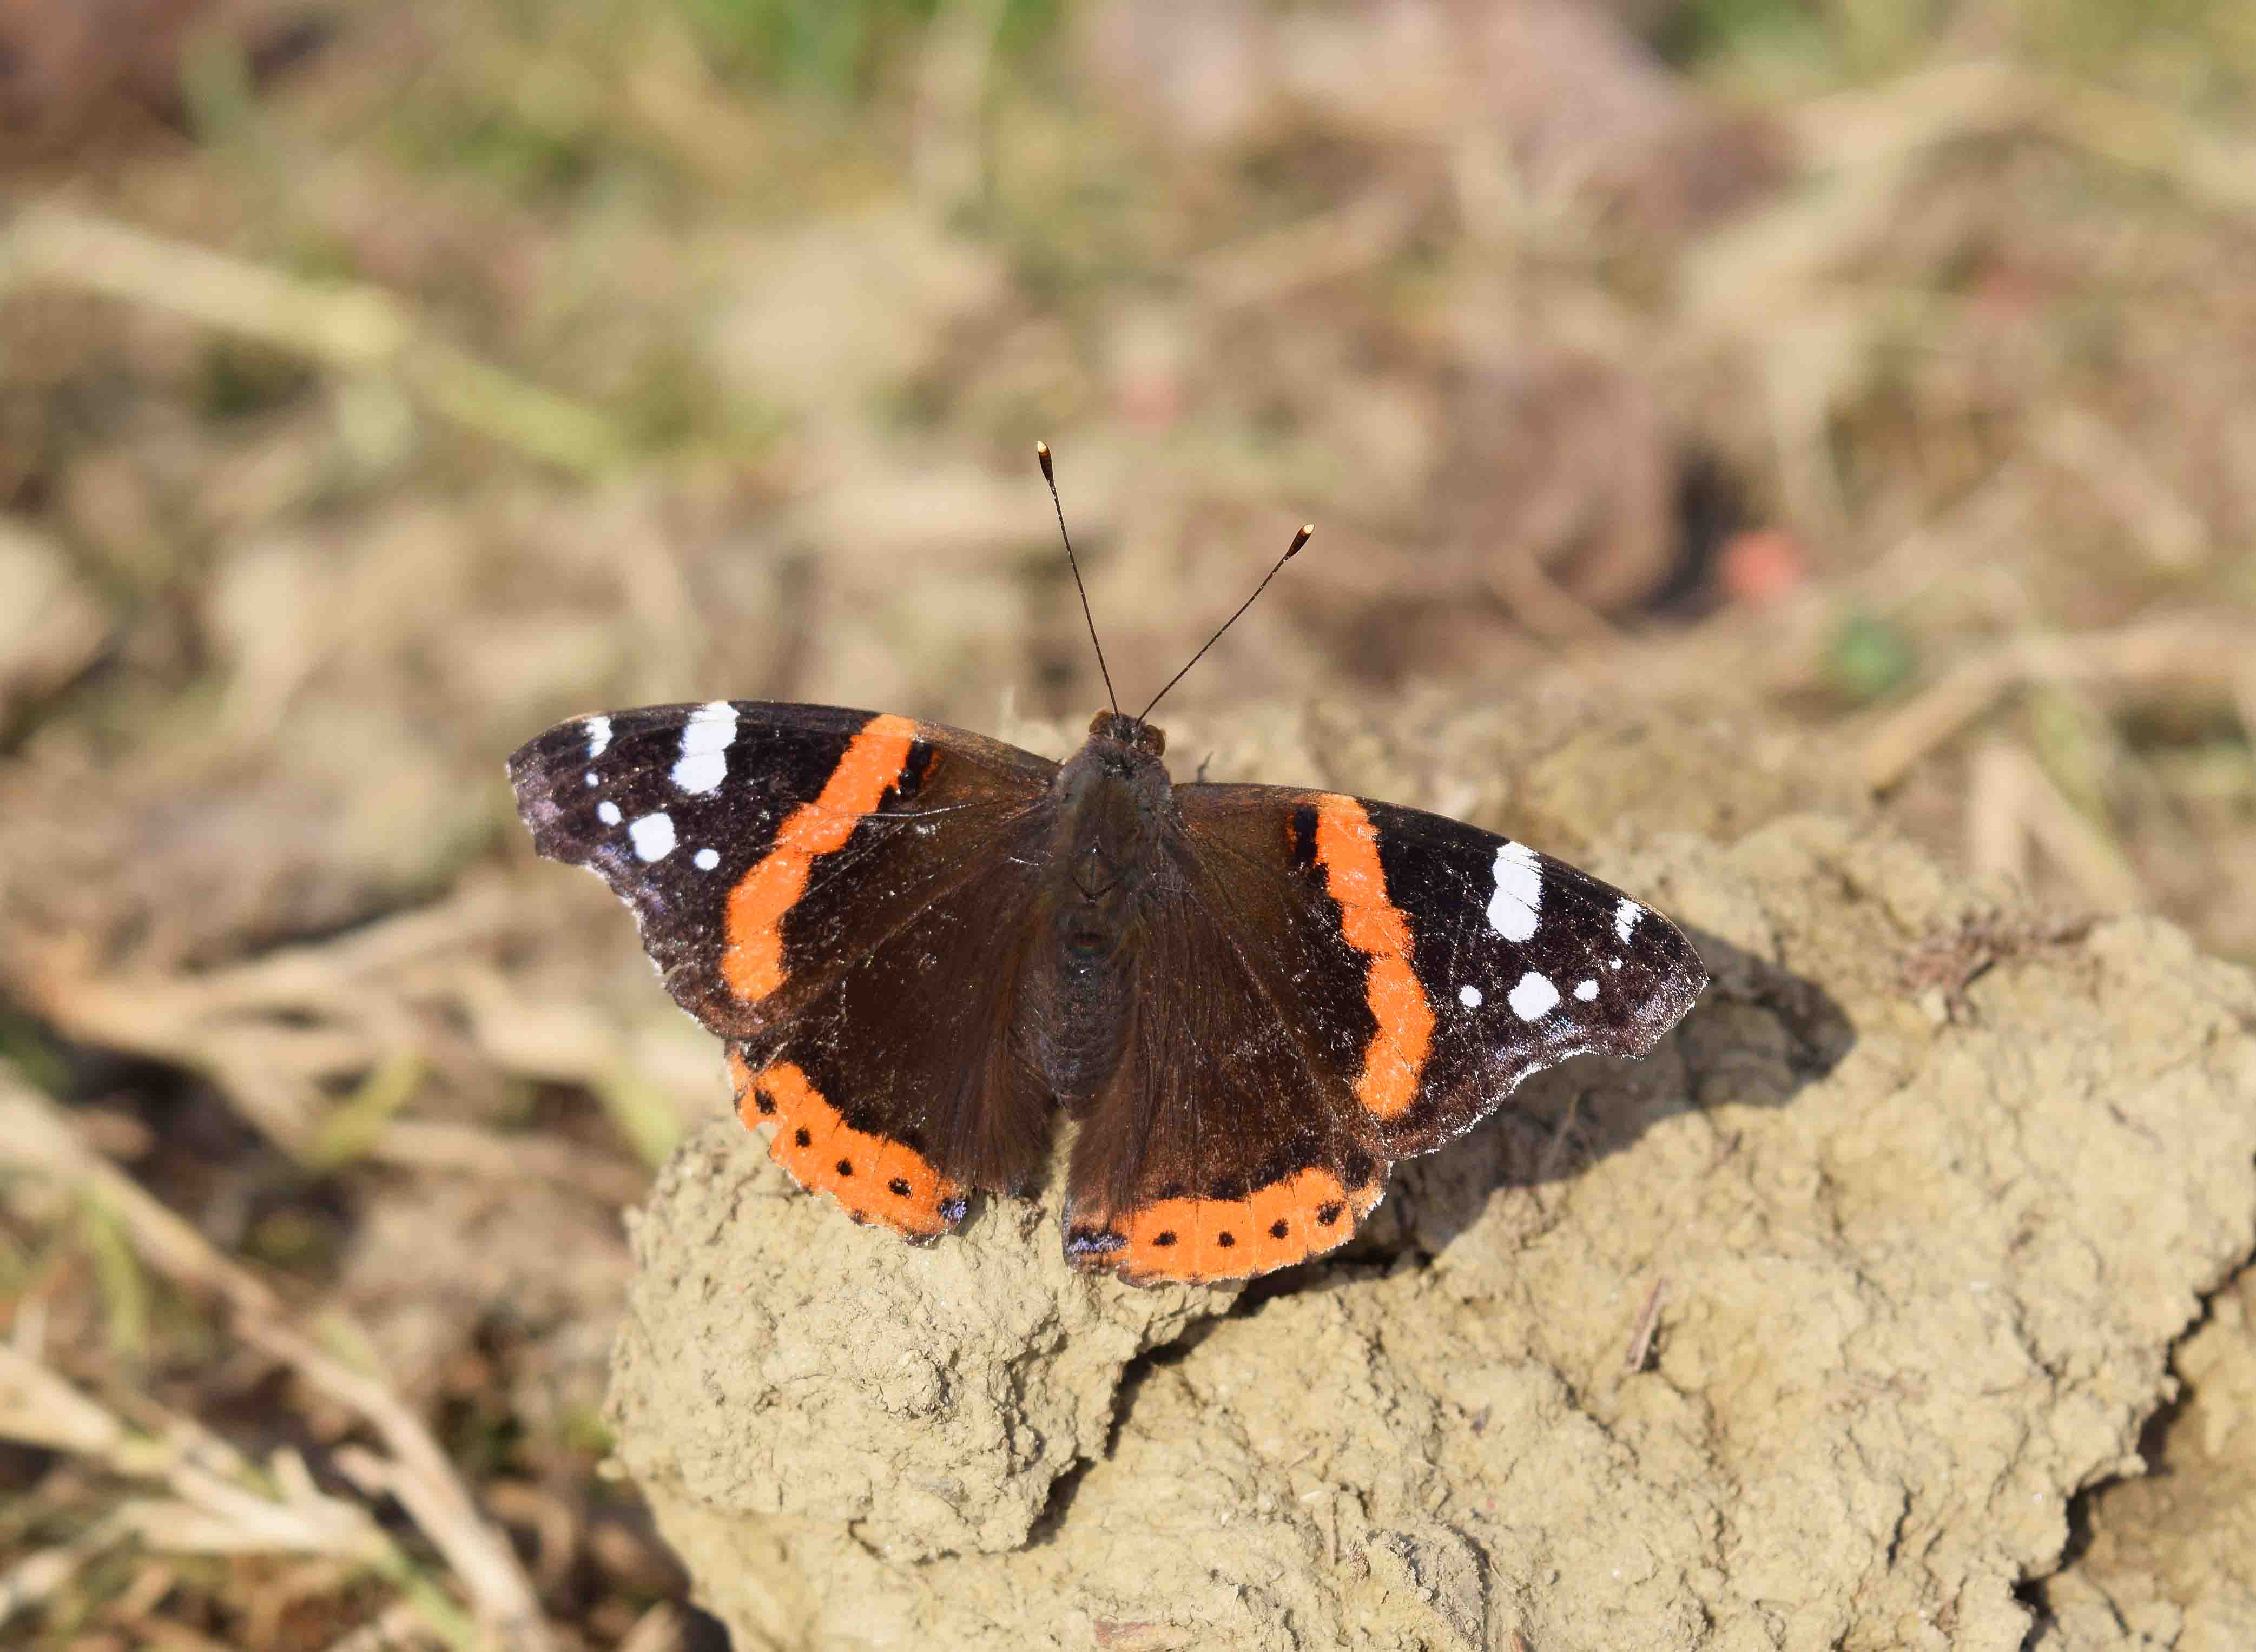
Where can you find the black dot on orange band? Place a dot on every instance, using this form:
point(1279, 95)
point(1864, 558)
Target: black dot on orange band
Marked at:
point(1327, 1214)
point(802, 1138)
point(1278, 1229)
point(1225, 1238)
point(845, 1167)
point(898, 1187)
point(764, 1102)
point(1164, 1239)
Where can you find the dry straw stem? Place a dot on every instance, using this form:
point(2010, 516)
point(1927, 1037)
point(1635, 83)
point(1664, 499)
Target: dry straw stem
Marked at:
point(33, 1135)
point(272, 1032)
point(358, 329)
point(1772, 284)
point(399, 1627)
point(1867, 147)
point(2204, 649)
point(2012, 804)
point(40, 1576)
point(1343, 241)
point(2096, 455)
point(276, 1033)
point(1986, 96)
point(951, 97)
point(1539, 602)
point(663, 1629)
point(219, 1504)
point(462, 1150)
point(1640, 1342)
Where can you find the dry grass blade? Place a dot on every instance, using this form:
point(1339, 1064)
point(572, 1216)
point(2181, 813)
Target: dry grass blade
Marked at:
point(33, 1135)
point(274, 1031)
point(2012, 804)
point(1970, 98)
point(397, 1629)
point(356, 329)
point(2206, 649)
point(41, 1576)
point(662, 1628)
point(277, 1034)
point(1341, 241)
point(1648, 1321)
point(218, 1504)
point(951, 93)
point(2083, 447)
point(1541, 603)
point(430, 1145)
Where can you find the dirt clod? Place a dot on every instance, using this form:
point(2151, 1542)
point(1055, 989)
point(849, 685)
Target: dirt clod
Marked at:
point(1923, 1278)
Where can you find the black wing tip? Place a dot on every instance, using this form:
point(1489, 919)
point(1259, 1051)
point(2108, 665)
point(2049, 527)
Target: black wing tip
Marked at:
point(1684, 976)
point(537, 773)
point(524, 778)
point(525, 764)
point(537, 757)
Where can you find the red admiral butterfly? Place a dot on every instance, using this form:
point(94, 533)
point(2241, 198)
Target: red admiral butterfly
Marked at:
point(920, 944)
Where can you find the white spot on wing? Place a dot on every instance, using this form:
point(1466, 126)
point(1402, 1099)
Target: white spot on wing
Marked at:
point(1512, 910)
point(705, 741)
point(652, 836)
point(608, 813)
point(1626, 917)
point(706, 860)
point(599, 735)
point(1534, 998)
point(1586, 990)
point(1469, 995)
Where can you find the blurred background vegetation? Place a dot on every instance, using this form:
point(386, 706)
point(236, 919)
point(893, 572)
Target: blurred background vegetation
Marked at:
point(379, 383)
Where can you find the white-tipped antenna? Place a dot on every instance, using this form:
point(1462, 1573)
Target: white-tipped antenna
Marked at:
point(1291, 551)
point(1050, 475)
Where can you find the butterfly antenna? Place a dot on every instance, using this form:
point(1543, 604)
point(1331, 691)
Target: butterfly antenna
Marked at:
point(1291, 551)
point(1042, 453)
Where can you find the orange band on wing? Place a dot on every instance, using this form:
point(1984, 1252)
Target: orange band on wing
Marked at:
point(1347, 848)
point(875, 1179)
point(752, 962)
point(1193, 1240)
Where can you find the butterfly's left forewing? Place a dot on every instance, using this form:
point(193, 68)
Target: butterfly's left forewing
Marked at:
point(1397, 974)
point(1523, 960)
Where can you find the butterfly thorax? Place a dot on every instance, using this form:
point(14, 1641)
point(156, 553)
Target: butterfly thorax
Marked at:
point(1109, 811)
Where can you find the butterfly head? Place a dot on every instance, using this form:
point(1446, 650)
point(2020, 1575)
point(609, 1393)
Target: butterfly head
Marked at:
point(1116, 728)
point(1111, 798)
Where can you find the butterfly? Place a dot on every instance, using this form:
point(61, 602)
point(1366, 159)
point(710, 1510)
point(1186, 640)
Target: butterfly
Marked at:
point(920, 945)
